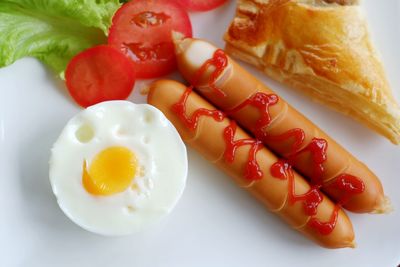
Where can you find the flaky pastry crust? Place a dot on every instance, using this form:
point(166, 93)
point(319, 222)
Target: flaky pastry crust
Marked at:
point(321, 47)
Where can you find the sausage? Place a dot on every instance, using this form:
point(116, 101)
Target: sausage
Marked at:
point(208, 137)
point(287, 132)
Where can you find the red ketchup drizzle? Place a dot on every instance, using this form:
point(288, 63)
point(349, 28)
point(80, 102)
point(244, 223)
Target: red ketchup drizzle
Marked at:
point(192, 122)
point(325, 228)
point(283, 170)
point(317, 147)
point(297, 134)
point(253, 171)
point(220, 62)
point(262, 102)
point(350, 185)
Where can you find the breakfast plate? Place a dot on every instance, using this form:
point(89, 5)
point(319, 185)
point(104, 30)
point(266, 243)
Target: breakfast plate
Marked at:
point(215, 223)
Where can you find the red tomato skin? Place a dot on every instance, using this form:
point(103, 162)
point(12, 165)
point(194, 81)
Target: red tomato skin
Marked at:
point(101, 73)
point(125, 31)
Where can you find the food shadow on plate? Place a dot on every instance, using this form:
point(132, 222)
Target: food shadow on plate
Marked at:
point(58, 83)
point(35, 186)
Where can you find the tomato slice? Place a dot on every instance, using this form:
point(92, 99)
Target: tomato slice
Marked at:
point(201, 5)
point(99, 74)
point(142, 30)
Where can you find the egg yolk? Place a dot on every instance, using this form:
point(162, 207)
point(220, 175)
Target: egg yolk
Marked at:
point(111, 171)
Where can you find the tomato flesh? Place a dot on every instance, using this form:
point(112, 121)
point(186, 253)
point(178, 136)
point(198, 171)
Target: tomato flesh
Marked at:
point(142, 30)
point(99, 74)
point(201, 5)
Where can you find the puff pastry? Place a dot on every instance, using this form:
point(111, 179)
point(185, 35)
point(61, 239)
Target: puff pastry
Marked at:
point(321, 47)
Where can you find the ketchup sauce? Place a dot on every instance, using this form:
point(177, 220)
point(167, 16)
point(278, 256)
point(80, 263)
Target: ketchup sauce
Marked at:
point(219, 61)
point(253, 171)
point(282, 169)
point(192, 122)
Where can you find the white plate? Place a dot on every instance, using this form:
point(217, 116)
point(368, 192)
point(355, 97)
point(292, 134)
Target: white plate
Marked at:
point(215, 223)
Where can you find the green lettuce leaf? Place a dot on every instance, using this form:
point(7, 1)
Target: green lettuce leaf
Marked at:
point(52, 30)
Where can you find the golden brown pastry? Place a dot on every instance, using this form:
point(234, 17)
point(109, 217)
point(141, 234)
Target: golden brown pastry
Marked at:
point(319, 47)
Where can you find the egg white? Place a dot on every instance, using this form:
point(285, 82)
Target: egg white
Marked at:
point(159, 181)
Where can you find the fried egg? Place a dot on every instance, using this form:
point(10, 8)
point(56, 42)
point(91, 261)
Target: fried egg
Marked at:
point(118, 167)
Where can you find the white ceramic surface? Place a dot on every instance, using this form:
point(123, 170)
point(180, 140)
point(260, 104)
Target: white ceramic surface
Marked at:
point(215, 223)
